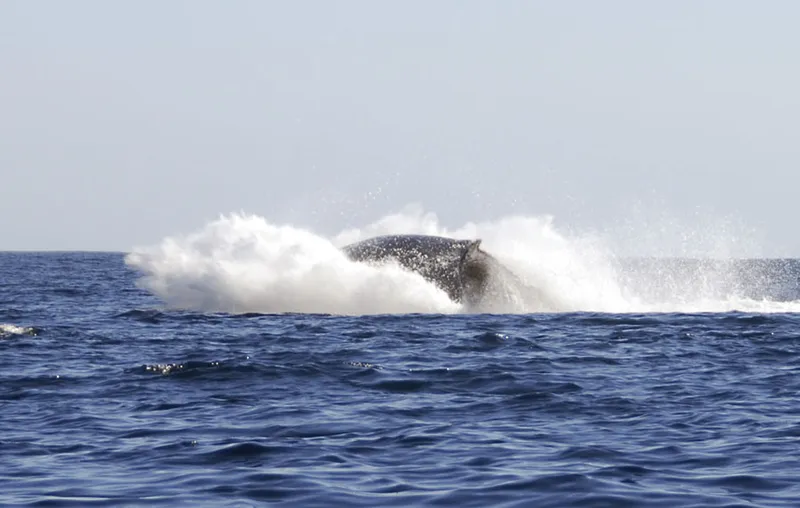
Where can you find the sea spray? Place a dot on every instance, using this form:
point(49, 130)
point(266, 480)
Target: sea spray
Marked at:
point(244, 263)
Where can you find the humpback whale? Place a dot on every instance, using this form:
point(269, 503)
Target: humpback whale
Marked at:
point(468, 274)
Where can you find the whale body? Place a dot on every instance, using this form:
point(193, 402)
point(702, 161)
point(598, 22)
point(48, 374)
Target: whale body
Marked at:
point(468, 274)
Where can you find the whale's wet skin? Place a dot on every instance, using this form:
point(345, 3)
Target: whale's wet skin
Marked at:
point(468, 274)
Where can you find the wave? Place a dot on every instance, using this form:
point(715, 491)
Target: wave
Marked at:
point(242, 263)
point(8, 330)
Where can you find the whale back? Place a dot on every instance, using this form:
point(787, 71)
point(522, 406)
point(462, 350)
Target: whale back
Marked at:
point(448, 263)
point(464, 271)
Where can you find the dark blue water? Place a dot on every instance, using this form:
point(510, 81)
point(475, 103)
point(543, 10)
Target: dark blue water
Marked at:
point(108, 399)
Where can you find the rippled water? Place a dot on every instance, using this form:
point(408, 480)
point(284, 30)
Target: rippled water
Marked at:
point(108, 398)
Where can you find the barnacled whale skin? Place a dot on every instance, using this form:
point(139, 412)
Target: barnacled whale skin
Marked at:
point(460, 268)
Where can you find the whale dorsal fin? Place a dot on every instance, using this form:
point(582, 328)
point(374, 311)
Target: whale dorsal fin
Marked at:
point(472, 249)
point(474, 246)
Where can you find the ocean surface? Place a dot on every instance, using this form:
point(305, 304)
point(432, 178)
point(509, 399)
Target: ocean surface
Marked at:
point(170, 376)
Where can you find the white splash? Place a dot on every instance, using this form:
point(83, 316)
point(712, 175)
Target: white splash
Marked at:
point(243, 263)
point(8, 330)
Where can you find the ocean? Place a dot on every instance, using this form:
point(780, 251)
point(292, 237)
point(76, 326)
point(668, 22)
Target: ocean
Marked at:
point(251, 364)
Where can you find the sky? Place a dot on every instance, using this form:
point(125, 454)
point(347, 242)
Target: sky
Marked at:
point(125, 122)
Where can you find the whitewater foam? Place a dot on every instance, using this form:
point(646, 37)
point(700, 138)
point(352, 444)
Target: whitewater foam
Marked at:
point(9, 330)
point(244, 263)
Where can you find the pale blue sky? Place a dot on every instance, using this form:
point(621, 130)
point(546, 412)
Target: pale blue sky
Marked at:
point(124, 122)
